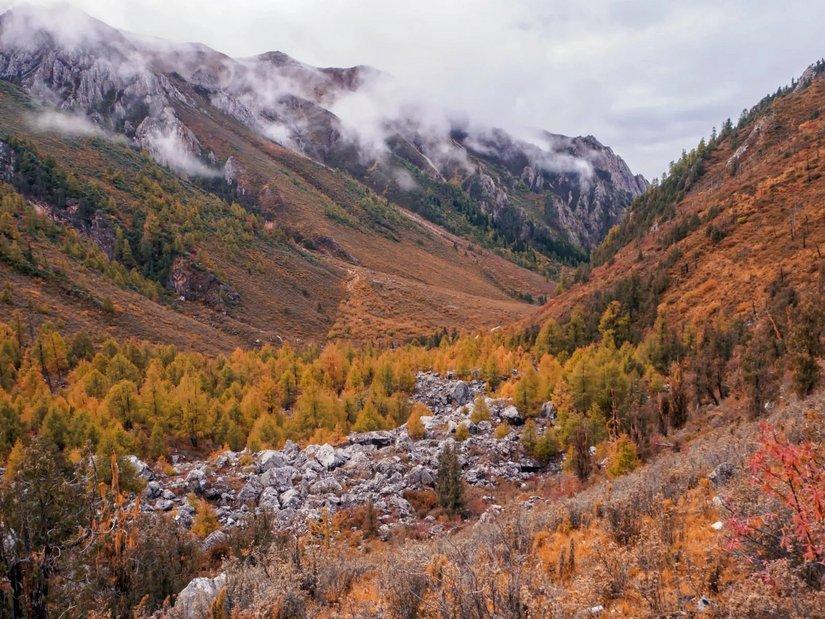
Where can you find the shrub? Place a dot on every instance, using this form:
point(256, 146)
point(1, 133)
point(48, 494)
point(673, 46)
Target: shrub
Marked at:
point(481, 412)
point(793, 477)
point(624, 458)
point(546, 448)
point(415, 428)
point(462, 433)
point(501, 431)
point(206, 520)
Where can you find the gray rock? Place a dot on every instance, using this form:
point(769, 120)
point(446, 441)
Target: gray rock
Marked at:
point(548, 411)
point(196, 599)
point(195, 480)
point(280, 477)
point(325, 455)
point(722, 473)
point(168, 494)
point(379, 438)
point(326, 485)
point(460, 393)
point(290, 449)
point(269, 499)
point(512, 416)
point(152, 490)
point(250, 492)
point(268, 459)
point(290, 499)
point(164, 505)
point(215, 538)
point(141, 468)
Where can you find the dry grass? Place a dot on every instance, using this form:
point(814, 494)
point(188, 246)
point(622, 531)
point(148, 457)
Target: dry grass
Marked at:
point(779, 181)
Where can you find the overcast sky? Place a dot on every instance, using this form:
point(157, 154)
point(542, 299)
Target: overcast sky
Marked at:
point(646, 78)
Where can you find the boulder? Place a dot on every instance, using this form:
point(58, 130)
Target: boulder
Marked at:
point(325, 455)
point(379, 438)
point(460, 393)
point(215, 538)
point(152, 490)
point(164, 505)
point(195, 480)
point(548, 411)
point(280, 477)
point(196, 599)
point(511, 415)
point(722, 473)
point(326, 485)
point(141, 468)
point(269, 499)
point(251, 491)
point(269, 458)
point(290, 499)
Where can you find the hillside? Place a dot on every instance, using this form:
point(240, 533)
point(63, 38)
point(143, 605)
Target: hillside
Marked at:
point(301, 233)
point(254, 365)
point(734, 217)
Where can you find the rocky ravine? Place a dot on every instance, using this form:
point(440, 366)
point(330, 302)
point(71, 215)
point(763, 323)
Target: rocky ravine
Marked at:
point(295, 484)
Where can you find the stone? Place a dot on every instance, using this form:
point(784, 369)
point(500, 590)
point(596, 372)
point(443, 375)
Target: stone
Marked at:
point(718, 525)
point(163, 505)
point(379, 438)
point(141, 468)
point(196, 598)
point(290, 449)
point(548, 411)
point(215, 538)
point(168, 494)
point(152, 490)
point(722, 473)
point(269, 499)
point(250, 492)
point(325, 485)
point(325, 455)
point(460, 393)
point(511, 415)
point(290, 499)
point(268, 459)
point(195, 480)
point(280, 477)
point(703, 604)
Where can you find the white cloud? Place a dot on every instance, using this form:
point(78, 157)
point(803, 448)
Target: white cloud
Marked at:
point(647, 78)
point(66, 124)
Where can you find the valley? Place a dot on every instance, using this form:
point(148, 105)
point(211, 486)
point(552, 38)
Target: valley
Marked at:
point(264, 356)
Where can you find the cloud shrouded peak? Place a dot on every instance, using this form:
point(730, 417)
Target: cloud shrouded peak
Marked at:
point(647, 77)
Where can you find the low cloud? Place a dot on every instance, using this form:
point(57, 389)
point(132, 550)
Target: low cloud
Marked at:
point(169, 149)
point(65, 124)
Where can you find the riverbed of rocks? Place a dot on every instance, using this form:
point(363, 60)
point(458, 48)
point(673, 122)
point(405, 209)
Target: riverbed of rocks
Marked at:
point(296, 484)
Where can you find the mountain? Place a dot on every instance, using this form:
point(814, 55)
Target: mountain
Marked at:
point(648, 442)
point(736, 220)
point(556, 195)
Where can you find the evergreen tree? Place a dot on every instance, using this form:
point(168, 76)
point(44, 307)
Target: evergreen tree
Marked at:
point(448, 480)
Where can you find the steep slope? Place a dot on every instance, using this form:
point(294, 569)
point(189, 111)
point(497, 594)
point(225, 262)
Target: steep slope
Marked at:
point(265, 250)
point(538, 202)
point(734, 216)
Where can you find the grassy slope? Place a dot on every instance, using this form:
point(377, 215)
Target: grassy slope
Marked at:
point(286, 290)
point(780, 173)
